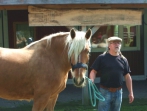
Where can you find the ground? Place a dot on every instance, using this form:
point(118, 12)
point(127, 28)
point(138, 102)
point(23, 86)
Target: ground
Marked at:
point(72, 93)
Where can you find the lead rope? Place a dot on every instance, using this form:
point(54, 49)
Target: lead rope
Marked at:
point(94, 93)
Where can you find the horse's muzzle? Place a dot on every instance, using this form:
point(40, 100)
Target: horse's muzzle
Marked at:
point(78, 83)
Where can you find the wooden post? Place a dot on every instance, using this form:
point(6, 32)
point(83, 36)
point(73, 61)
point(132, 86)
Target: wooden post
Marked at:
point(145, 42)
point(1, 28)
point(85, 93)
point(5, 31)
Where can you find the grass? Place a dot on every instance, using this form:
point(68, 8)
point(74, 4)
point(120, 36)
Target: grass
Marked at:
point(137, 105)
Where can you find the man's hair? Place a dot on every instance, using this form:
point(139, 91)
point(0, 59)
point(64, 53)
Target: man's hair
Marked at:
point(107, 51)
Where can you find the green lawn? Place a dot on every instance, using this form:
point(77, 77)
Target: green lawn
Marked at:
point(137, 105)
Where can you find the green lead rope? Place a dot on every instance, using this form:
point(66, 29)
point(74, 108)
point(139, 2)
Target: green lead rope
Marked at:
point(94, 93)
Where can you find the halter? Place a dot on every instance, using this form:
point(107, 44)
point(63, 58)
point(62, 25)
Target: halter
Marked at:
point(79, 65)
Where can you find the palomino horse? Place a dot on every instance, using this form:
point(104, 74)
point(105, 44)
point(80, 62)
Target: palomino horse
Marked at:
point(39, 71)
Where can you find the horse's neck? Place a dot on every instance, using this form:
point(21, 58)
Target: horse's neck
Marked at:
point(54, 51)
point(60, 53)
point(57, 52)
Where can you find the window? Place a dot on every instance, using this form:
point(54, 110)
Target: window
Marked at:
point(130, 35)
point(24, 34)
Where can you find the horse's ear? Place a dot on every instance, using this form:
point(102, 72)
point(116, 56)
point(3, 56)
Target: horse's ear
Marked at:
point(88, 33)
point(72, 33)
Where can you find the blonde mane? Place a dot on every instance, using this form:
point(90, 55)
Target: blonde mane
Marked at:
point(48, 38)
point(75, 46)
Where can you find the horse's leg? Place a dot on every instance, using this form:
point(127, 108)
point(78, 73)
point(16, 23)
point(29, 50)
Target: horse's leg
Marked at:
point(40, 102)
point(51, 103)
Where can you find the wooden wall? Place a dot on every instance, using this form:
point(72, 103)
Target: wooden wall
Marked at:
point(13, 17)
point(135, 58)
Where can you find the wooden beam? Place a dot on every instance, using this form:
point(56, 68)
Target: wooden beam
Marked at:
point(82, 17)
point(76, 6)
point(145, 44)
point(43, 2)
point(14, 7)
point(95, 6)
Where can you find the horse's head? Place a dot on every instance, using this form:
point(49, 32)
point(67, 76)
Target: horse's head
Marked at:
point(79, 55)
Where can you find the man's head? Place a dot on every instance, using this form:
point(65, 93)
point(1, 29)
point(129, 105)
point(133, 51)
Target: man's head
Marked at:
point(114, 44)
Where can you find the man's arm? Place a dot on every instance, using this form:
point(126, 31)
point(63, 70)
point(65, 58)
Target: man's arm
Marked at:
point(92, 75)
point(128, 80)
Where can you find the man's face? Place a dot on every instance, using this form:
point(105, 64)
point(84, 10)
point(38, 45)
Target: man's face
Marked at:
point(115, 46)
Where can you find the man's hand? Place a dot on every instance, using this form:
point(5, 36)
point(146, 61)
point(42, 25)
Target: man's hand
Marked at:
point(129, 86)
point(92, 80)
point(92, 75)
point(131, 98)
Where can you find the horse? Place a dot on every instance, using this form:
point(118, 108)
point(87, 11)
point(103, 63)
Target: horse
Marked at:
point(39, 71)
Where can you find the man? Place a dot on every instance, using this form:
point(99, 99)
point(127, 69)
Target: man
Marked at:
point(112, 66)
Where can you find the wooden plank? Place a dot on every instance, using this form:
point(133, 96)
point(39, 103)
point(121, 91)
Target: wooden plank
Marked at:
point(32, 2)
point(5, 29)
point(13, 7)
point(145, 44)
point(96, 6)
point(1, 29)
point(82, 17)
point(76, 6)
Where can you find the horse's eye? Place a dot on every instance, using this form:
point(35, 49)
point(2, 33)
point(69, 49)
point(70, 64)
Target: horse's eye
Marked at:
point(87, 62)
point(88, 51)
